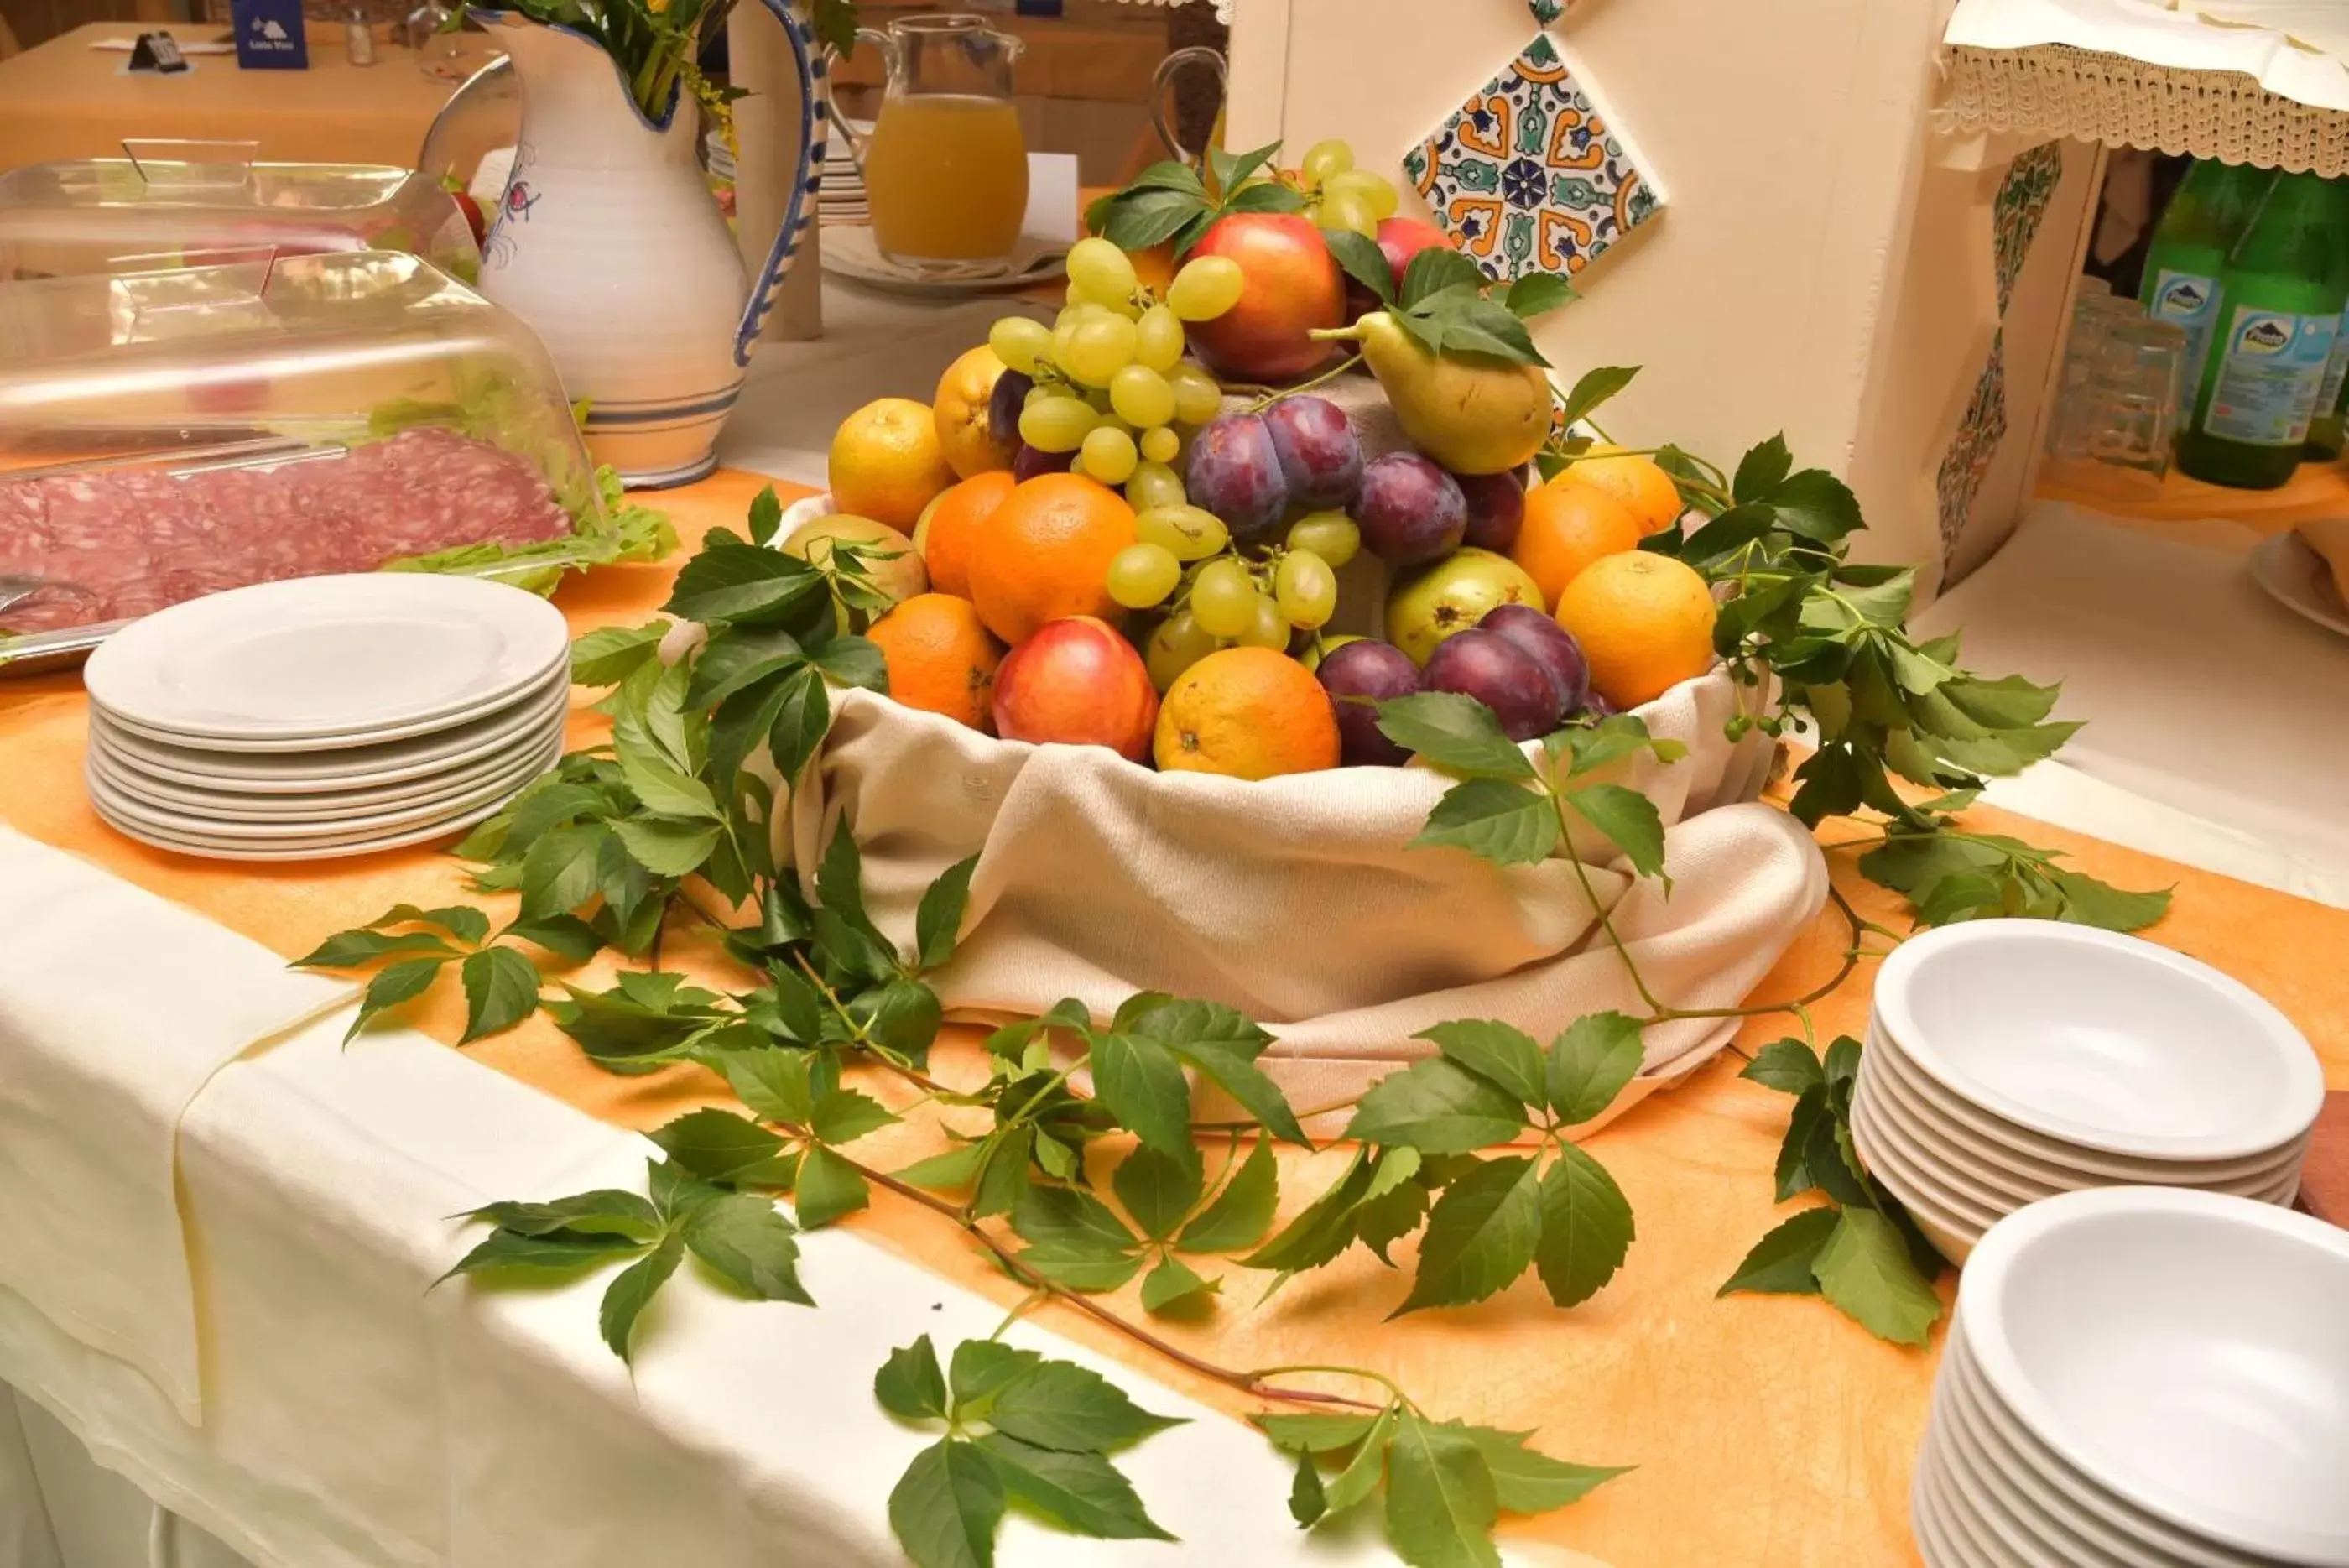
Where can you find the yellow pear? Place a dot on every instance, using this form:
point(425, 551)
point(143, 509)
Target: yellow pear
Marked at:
point(1475, 414)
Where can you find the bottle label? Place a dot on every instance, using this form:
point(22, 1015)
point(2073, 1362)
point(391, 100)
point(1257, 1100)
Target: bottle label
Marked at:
point(2336, 371)
point(2274, 363)
point(2190, 301)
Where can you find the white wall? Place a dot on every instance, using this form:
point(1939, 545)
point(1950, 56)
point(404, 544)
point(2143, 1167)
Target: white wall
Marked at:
point(1787, 138)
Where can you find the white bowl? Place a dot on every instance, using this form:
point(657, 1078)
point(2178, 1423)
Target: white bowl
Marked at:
point(1906, 1113)
point(1996, 1435)
point(2187, 1351)
point(2100, 1040)
point(1994, 1505)
point(1952, 1235)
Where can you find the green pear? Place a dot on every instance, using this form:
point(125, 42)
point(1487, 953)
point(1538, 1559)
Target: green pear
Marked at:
point(1473, 413)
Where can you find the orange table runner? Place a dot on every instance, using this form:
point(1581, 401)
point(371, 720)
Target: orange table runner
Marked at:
point(1766, 1429)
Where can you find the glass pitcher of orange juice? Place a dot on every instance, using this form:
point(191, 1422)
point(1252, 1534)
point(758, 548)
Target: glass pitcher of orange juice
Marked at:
point(945, 166)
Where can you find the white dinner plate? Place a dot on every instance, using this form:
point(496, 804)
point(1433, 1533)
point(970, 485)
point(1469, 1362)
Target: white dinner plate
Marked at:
point(365, 654)
point(557, 675)
point(853, 253)
point(358, 768)
point(2296, 577)
point(323, 806)
point(332, 849)
point(118, 801)
point(1948, 1105)
point(2106, 1041)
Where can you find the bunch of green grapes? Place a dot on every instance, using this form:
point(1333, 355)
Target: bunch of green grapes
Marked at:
point(1111, 383)
point(1341, 196)
point(1214, 596)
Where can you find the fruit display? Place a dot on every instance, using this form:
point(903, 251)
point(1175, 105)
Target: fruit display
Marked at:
point(1122, 537)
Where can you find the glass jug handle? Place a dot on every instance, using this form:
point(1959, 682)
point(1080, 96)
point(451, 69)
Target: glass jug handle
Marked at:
point(1199, 55)
point(893, 64)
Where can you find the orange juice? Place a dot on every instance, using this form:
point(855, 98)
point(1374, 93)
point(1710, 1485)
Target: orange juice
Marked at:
point(947, 175)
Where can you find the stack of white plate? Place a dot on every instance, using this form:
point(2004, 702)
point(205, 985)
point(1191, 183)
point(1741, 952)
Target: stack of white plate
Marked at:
point(2143, 1378)
point(2009, 1061)
point(324, 716)
point(841, 198)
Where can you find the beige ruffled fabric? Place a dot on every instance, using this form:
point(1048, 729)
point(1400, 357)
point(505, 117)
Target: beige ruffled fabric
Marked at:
point(1299, 900)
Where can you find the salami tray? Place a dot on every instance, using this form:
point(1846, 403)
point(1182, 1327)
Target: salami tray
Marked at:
point(169, 434)
point(142, 213)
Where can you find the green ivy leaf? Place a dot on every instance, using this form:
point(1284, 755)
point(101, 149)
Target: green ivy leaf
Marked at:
point(1081, 1492)
point(500, 991)
point(1242, 1212)
point(955, 1170)
point(829, 1189)
point(1223, 1044)
point(1324, 1229)
point(1360, 257)
point(946, 1507)
point(714, 1145)
point(852, 661)
point(1594, 387)
point(843, 1115)
point(981, 1369)
point(1786, 1065)
point(1590, 1064)
point(1865, 1269)
point(1142, 1085)
point(1494, 1050)
point(1061, 1406)
point(1367, 1468)
point(1480, 1235)
point(664, 790)
point(903, 1016)
point(393, 984)
point(563, 1252)
point(1158, 1187)
point(1314, 1433)
point(1503, 821)
point(605, 1212)
point(773, 1082)
point(740, 657)
point(1454, 732)
point(748, 1244)
point(609, 655)
point(766, 514)
point(742, 583)
point(939, 921)
point(1441, 1501)
point(1627, 818)
point(909, 1385)
point(1761, 470)
point(1586, 1227)
point(1782, 1262)
point(1172, 1283)
point(1526, 1481)
point(1075, 1240)
point(1307, 1502)
point(559, 873)
point(632, 1290)
point(353, 949)
point(566, 937)
point(1436, 269)
point(1436, 1106)
point(1537, 293)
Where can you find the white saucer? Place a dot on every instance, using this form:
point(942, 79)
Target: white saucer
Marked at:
point(2296, 577)
point(120, 803)
point(557, 676)
point(324, 849)
point(352, 659)
point(126, 774)
point(354, 768)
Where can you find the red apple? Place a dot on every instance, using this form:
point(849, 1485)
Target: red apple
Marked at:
point(1400, 239)
point(1079, 683)
point(1290, 285)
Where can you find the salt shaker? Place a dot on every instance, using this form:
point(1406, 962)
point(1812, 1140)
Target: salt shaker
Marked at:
point(358, 39)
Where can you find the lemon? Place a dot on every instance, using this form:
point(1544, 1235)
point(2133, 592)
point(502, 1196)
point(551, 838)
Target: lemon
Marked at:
point(886, 462)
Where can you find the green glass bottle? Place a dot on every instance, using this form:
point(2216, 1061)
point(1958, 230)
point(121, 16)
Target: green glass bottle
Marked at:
point(2280, 302)
point(2207, 215)
point(2324, 431)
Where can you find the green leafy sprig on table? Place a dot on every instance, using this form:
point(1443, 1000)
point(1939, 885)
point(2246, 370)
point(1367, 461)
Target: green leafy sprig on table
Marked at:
point(1858, 1249)
point(1170, 201)
point(615, 844)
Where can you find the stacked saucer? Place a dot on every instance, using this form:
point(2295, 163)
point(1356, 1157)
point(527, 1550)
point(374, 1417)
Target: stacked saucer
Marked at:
point(841, 198)
point(2010, 1061)
point(324, 716)
point(2142, 1378)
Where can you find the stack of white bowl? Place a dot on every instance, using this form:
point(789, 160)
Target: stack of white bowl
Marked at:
point(324, 716)
point(2143, 1378)
point(2009, 1061)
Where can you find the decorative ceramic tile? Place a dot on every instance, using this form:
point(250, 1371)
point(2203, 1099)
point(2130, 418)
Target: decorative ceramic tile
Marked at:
point(1548, 11)
point(1526, 178)
point(2017, 210)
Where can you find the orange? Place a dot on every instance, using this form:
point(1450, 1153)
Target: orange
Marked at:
point(1567, 527)
point(955, 518)
point(886, 463)
point(1044, 553)
point(1247, 713)
point(940, 658)
point(1645, 623)
point(1634, 479)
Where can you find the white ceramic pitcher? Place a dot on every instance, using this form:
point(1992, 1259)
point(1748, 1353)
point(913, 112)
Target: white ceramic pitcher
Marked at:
point(608, 243)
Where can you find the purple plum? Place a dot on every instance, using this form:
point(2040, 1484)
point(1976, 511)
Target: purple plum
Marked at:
point(1003, 406)
point(1028, 462)
point(1498, 673)
point(1376, 671)
point(1410, 511)
point(1552, 647)
point(1496, 509)
point(1320, 456)
point(1235, 472)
